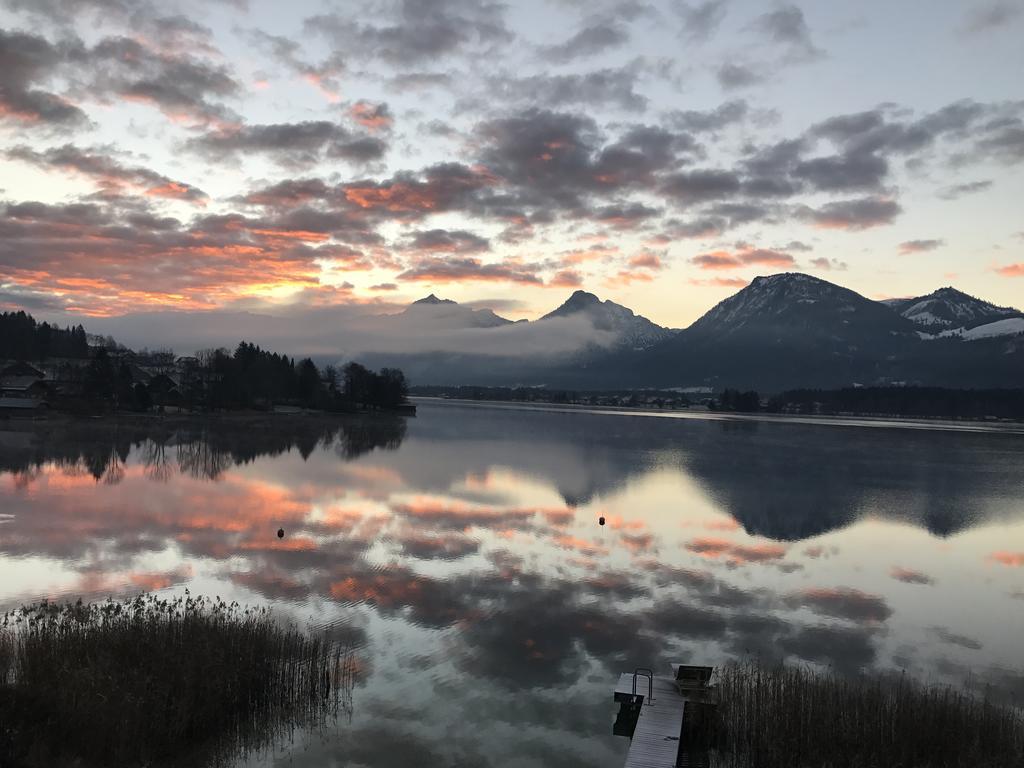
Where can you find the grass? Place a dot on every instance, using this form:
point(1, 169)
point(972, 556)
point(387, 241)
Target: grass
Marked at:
point(797, 717)
point(148, 682)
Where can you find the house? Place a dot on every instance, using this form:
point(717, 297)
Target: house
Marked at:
point(20, 369)
point(25, 387)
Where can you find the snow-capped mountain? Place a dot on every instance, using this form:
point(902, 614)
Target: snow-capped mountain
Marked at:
point(631, 330)
point(452, 313)
point(950, 309)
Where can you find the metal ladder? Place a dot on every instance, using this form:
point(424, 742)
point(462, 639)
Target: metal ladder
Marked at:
point(649, 674)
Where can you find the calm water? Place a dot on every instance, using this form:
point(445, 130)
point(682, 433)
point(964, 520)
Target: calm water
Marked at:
point(461, 549)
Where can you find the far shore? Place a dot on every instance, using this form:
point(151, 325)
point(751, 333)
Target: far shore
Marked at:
point(703, 413)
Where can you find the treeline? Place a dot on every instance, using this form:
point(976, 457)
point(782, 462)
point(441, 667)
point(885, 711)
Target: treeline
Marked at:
point(923, 402)
point(22, 338)
point(250, 377)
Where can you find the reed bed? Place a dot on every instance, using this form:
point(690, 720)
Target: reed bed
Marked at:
point(148, 681)
point(797, 717)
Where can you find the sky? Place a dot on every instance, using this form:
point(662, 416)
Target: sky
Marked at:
point(197, 160)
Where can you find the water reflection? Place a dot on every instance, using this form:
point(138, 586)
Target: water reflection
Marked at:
point(464, 546)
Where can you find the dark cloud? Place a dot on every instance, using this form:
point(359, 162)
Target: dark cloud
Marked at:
point(733, 75)
point(593, 39)
point(841, 173)
point(920, 246)
point(404, 82)
point(700, 186)
point(179, 84)
point(787, 26)
point(910, 576)
point(26, 62)
point(614, 87)
point(466, 269)
point(702, 20)
point(844, 603)
point(415, 31)
point(290, 144)
point(967, 188)
point(951, 638)
point(848, 649)
point(856, 214)
point(990, 16)
point(431, 547)
point(710, 121)
point(625, 216)
point(448, 241)
point(112, 176)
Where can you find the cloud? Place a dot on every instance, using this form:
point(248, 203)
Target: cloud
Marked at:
point(373, 117)
point(566, 278)
point(959, 190)
point(1011, 270)
point(856, 214)
point(324, 76)
point(448, 241)
point(845, 172)
point(844, 603)
point(290, 144)
point(1012, 559)
point(910, 576)
point(827, 264)
point(702, 20)
point(920, 246)
point(713, 548)
point(787, 26)
point(417, 31)
point(25, 61)
point(467, 269)
point(710, 121)
point(744, 257)
point(700, 186)
point(951, 638)
point(609, 86)
point(113, 177)
point(593, 39)
point(990, 16)
point(733, 75)
point(646, 260)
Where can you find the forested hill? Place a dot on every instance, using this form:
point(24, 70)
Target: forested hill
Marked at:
point(22, 338)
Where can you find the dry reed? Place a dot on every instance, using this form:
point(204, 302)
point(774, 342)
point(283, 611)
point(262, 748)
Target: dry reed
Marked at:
point(189, 681)
point(798, 717)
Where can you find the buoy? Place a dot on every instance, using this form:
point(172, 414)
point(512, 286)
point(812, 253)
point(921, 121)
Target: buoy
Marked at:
point(280, 532)
point(601, 520)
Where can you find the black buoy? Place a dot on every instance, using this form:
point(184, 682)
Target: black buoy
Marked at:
point(601, 519)
point(280, 533)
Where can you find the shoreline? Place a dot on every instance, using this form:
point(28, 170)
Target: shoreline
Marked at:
point(844, 420)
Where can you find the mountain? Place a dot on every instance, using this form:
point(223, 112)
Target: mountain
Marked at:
point(451, 313)
point(793, 308)
point(792, 330)
point(948, 309)
point(630, 330)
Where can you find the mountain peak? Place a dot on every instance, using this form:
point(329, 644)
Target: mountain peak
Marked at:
point(950, 308)
point(628, 328)
point(432, 299)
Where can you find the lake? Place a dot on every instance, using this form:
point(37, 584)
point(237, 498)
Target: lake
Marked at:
point(461, 551)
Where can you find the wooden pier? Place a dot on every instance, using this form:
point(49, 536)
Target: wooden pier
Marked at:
point(660, 702)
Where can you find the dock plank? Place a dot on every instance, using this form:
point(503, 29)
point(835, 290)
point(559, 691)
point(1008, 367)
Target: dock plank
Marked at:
point(655, 741)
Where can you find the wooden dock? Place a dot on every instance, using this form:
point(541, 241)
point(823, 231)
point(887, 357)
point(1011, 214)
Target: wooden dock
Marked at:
point(659, 727)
